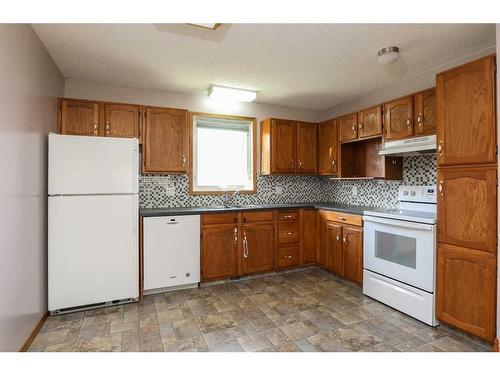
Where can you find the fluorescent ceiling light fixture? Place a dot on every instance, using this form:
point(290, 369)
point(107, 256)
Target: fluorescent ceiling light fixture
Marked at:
point(211, 26)
point(221, 93)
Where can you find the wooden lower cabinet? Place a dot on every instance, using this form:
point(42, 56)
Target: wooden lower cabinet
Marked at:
point(258, 247)
point(287, 256)
point(352, 254)
point(219, 251)
point(340, 246)
point(466, 289)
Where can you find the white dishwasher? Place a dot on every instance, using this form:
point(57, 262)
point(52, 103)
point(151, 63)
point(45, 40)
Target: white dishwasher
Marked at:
point(171, 252)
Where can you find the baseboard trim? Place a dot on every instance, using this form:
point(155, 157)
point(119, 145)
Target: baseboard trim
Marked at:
point(35, 331)
point(495, 345)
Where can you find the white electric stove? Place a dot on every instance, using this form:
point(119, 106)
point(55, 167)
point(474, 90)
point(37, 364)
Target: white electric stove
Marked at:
point(400, 253)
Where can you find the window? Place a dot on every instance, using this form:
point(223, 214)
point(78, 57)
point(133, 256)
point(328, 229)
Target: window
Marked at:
point(223, 153)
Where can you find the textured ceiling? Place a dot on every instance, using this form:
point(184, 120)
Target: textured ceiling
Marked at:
point(313, 66)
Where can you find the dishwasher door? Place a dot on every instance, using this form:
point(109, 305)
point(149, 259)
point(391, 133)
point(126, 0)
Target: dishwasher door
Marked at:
point(171, 251)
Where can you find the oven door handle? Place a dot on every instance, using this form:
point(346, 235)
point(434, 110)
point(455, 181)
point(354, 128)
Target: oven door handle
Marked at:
point(399, 223)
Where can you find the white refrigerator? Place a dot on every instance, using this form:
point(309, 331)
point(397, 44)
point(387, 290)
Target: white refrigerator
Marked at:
point(93, 210)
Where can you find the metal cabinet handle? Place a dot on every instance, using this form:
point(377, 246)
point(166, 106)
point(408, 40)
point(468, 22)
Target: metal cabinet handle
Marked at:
point(419, 120)
point(338, 237)
point(107, 127)
point(289, 233)
point(95, 127)
point(342, 218)
point(360, 125)
point(183, 160)
point(235, 235)
point(245, 245)
point(441, 189)
point(408, 122)
point(440, 147)
point(287, 216)
point(354, 127)
point(345, 238)
point(287, 257)
point(333, 162)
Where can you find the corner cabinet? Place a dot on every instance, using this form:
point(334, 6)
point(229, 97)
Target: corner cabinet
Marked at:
point(79, 117)
point(466, 289)
point(465, 97)
point(288, 147)
point(165, 141)
point(348, 127)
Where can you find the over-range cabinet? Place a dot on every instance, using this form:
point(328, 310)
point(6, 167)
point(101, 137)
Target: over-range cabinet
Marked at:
point(467, 197)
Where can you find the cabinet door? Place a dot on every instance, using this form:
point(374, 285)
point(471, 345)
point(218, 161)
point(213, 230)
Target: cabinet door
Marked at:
point(466, 289)
point(370, 122)
point(219, 251)
point(122, 120)
point(258, 247)
point(348, 127)
point(466, 128)
point(328, 147)
point(467, 207)
point(283, 146)
point(309, 237)
point(399, 118)
point(79, 117)
point(352, 254)
point(334, 247)
point(307, 147)
point(323, 240)
point(425, 112)
point(165, 140)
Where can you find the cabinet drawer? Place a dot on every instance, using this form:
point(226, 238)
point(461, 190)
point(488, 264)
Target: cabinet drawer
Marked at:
point(341, 217)
point(288, 256)
point(288, 215)
point(288, 233)
point(224, 218)
point(249, 217)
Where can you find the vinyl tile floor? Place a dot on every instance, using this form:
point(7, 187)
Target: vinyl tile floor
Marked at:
point(309, 310)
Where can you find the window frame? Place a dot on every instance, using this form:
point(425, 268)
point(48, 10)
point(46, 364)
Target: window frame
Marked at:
point(253, 121)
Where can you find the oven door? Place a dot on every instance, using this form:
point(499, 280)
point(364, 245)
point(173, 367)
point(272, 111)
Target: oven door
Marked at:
point(401, 250)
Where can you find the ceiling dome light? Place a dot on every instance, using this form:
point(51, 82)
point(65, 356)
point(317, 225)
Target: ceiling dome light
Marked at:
point(222, 93)
point(388, 55)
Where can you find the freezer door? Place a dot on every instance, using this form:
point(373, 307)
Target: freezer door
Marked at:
point(93, 250)
point(92, 165)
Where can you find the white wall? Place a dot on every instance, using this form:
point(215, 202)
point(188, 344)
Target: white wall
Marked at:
point(30, 83)
point(402, 88)
point(198, 103)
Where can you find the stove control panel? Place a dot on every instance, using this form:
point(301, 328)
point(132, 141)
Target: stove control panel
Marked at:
point(420, 194)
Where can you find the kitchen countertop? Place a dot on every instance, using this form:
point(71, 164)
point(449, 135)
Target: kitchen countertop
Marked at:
point(170, 211)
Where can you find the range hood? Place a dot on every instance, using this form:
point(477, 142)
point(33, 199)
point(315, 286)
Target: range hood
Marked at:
point(410, 147)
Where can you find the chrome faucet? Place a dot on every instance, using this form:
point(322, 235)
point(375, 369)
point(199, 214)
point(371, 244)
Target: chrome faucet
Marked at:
point(228, 198)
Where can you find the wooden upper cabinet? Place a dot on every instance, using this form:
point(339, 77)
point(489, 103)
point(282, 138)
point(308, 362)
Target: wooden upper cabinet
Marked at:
point(352, 254)
point(309, 237)
point(348, 126)
point(328, 147)
point(334, 247)
point(467, 207)
point(398, 118)
point(283, 146)
point(219, 251)
point(425, 112)
point(307, 147)
point(166, 140)
point(466, 125)
point(370, 122)
point(258, 247)
point(121, 120)
point(79, 117)
point(466, 289)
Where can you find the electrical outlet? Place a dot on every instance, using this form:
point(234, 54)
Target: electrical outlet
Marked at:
point(354, 191)
point(278, 190)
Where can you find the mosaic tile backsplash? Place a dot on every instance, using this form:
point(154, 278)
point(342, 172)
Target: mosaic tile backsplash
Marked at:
point(417, 170)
